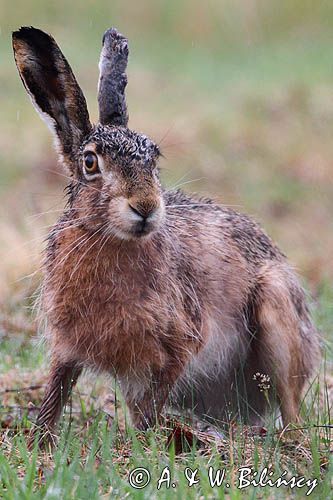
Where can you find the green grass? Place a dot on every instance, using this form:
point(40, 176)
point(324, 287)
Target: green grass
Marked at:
point(102, 472)
point(98, 460)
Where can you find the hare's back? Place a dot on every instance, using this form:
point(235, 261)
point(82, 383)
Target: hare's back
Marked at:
point(204, 219)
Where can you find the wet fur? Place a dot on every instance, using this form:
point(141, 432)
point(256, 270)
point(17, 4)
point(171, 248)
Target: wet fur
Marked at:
point(196, 300)
point(185, 315)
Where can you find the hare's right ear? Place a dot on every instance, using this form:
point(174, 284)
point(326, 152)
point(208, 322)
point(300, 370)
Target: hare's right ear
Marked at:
point(53, 88)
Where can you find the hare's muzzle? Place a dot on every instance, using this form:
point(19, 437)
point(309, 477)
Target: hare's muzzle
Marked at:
point(134, 217)
point(145, 216)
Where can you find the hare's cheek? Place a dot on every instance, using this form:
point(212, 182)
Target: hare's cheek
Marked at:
point(120, 218)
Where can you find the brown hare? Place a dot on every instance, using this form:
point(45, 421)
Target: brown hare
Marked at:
point(179, 298)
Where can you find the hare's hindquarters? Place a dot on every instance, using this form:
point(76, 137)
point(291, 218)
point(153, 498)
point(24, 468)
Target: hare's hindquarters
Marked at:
point(286, 343)
point(277, 340)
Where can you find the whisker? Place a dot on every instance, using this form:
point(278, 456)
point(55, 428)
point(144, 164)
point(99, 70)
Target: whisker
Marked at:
point(44, 237)
point(85, 253)
point(179, 180)
point(166, 134)
point(68, 224)
point(78, 242)
point(64, 210)
point(184, 183)
point(201, 204)
point(76, 180)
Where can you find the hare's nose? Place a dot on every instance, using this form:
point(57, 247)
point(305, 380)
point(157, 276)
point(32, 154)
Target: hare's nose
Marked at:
point(144, 211)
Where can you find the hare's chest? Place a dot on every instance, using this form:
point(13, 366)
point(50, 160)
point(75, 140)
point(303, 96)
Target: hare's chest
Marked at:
point(106, 316)
point(98, 294)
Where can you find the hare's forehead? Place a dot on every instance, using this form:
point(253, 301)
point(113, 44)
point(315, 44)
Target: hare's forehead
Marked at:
point(120, 142)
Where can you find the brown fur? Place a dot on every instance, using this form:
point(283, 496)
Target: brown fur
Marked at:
point(178, 297)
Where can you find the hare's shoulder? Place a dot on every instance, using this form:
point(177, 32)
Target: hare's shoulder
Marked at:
point(252, 241)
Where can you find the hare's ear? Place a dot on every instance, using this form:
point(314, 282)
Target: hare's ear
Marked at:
point(113, 79)
point(52, 87)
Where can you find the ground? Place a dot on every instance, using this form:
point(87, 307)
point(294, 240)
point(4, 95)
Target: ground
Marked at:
point(239, 97)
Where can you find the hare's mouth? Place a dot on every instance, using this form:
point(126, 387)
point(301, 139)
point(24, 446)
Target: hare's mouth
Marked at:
point(143, 228)
point(131, 222)
point(145, 225)
point(137, 231)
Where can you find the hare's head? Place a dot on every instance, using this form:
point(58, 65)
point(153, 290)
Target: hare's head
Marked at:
point(113, 170)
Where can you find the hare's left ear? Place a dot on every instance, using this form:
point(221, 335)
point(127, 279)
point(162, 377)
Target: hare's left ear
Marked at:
point(113, 79)
point(54, 91)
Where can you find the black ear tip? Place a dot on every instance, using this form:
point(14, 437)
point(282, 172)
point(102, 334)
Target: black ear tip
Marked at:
point(24, 31)
point(112, 35)
point(21, 33)
point(29, 34)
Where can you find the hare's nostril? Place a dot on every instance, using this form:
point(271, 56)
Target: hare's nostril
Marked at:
point(143, 211)
point(136, 211)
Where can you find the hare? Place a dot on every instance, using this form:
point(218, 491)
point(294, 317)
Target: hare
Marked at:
point(181, 299)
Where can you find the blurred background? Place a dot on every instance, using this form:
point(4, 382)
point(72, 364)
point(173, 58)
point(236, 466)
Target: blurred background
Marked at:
point(239, 95)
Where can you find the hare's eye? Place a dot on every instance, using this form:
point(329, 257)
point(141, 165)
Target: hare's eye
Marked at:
point(91, 163)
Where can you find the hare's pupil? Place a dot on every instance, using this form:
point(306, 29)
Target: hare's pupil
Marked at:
point(90, 161)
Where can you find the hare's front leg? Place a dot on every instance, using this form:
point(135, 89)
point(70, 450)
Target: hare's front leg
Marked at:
point(145, 407)
point(61, 380)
